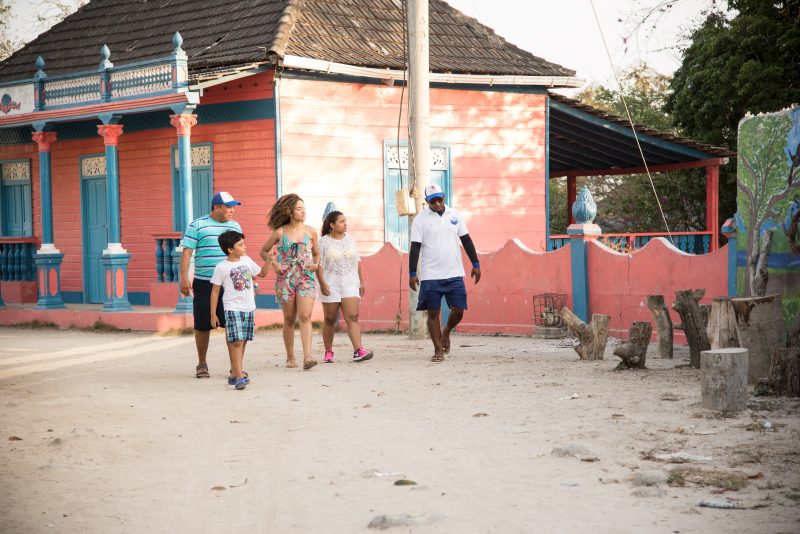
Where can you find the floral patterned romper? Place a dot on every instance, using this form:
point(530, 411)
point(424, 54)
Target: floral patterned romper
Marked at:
point(294, 279)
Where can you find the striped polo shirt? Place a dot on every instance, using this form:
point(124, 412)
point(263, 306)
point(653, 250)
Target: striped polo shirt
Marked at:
point(201, 236)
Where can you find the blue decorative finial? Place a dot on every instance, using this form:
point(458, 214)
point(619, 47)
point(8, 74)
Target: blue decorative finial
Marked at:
point(105, 53)
point(177, 40)
point(39, 69)
point(329, 207)
point(584, 209)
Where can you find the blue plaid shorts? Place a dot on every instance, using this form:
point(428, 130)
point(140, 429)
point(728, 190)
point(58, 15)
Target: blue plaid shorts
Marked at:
point(239, 325)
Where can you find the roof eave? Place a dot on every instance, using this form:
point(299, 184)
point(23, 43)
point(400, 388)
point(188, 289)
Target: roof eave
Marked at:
point(330, 67)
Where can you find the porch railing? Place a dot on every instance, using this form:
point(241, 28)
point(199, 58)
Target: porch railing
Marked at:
point(689, 242)
point(16, 259)
point(167, 267)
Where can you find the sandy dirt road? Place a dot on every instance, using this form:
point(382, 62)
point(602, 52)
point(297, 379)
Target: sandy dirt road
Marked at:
point(111, 433)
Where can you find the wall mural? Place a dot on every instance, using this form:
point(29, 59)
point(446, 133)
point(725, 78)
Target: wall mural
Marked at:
point(768, 207)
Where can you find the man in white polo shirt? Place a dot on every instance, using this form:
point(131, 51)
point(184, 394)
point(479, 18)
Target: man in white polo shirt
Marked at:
point(435, 234)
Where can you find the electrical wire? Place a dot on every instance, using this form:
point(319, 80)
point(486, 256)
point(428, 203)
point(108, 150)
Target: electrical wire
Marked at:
point(630, 120)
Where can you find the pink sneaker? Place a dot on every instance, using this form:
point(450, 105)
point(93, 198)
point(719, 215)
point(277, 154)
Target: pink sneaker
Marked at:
point(362, 354)
point(328, 357)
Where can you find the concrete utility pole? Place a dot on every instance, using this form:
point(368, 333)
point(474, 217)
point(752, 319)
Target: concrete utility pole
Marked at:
point(419, 122)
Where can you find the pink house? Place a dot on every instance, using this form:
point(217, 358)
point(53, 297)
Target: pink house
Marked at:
point(114, 135)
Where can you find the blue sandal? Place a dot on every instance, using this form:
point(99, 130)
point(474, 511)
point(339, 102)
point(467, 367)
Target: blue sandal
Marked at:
point(232, 379)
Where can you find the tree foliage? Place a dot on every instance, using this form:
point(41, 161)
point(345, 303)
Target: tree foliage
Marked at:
point(747, 62)
point(7, 44)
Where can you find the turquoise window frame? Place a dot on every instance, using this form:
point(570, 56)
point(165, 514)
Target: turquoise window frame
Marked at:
point(27, 208)
point(388, 213)
point(177, 208)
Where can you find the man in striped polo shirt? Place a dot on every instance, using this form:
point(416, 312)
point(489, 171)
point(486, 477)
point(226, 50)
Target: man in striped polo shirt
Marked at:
point(200, 239)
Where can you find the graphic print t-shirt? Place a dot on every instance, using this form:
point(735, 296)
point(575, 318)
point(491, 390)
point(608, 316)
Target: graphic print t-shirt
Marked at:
point(236, 277)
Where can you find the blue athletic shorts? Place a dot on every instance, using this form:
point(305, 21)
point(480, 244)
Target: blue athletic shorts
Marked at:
point(240, 325)
point(452, 289)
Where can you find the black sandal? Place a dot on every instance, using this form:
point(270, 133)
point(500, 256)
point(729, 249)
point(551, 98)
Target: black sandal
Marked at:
point(201, 371)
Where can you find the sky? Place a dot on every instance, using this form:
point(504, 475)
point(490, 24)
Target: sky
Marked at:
point(566, 32)
point(561, 31)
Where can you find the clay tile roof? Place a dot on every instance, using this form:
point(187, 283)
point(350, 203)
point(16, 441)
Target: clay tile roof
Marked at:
point(239, 32)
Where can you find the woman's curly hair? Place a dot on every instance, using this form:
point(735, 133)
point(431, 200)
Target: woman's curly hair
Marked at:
point(281, 212)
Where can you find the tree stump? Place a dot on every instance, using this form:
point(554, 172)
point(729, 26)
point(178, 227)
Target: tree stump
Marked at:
point(723, 379)
point(784, 371)
point(663, 322)
point(760, 327)
point(721, 329)
point(592, 338)
point(693, 322)
point(633, 352)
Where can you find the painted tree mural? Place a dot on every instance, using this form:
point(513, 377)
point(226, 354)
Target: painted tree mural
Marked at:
point(769, 189)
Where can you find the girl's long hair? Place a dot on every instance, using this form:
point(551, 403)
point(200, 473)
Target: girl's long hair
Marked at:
point(281, 212)
point(329, 220)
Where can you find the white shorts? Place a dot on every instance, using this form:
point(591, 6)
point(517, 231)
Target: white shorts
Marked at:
point(340, 292)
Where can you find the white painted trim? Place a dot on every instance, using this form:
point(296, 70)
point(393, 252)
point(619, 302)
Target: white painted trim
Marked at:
point(295, 62)
point(48, 248)
point(114, 248)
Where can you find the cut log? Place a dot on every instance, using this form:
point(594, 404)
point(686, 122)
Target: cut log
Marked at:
point(721, 329)
point(633, 352)
point(663, 322)
point(592, 338)
point(693, 322)
point(723, 379)
point(760, 327)
point(784, 372)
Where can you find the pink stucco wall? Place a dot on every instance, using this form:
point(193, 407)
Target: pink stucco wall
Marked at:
point(501, 302)
point(332, 136)
point(619, 283)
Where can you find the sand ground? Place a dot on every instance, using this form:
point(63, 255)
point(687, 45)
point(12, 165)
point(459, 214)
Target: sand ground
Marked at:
point(110, 433)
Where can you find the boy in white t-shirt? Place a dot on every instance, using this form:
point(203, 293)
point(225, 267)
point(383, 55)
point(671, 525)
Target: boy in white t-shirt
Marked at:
point(236, 274)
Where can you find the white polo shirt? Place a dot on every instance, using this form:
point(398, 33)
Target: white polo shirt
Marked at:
point(440, 256)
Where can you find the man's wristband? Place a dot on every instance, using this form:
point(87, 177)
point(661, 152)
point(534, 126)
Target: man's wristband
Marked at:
point(476, 264)
point(412, 273)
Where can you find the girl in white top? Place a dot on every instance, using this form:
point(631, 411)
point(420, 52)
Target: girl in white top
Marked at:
point(340, 284)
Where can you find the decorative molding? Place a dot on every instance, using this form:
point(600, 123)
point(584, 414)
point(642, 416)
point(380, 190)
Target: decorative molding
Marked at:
point(439, 159)
point(17, 171)
point(397, 158)
point(110, 133)
point(72, 91)
point(44, 139)
point(93, 166)
point(201, 156)
point(183, 123)
point(141, 81)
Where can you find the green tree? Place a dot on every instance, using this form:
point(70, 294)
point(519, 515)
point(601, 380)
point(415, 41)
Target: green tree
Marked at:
point(745, 61)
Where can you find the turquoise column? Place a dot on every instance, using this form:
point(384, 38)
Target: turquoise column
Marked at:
point(48, 257)
point(729, 231)
point(115, 258)
point(583, 230)
point(183, 122)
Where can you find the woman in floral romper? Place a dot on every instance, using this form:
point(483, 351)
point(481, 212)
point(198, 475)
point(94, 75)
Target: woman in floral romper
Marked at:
point(295, 263)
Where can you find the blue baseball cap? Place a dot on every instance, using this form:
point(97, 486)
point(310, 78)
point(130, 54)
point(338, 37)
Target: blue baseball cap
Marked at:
point(224, 198)
point(433, 191)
